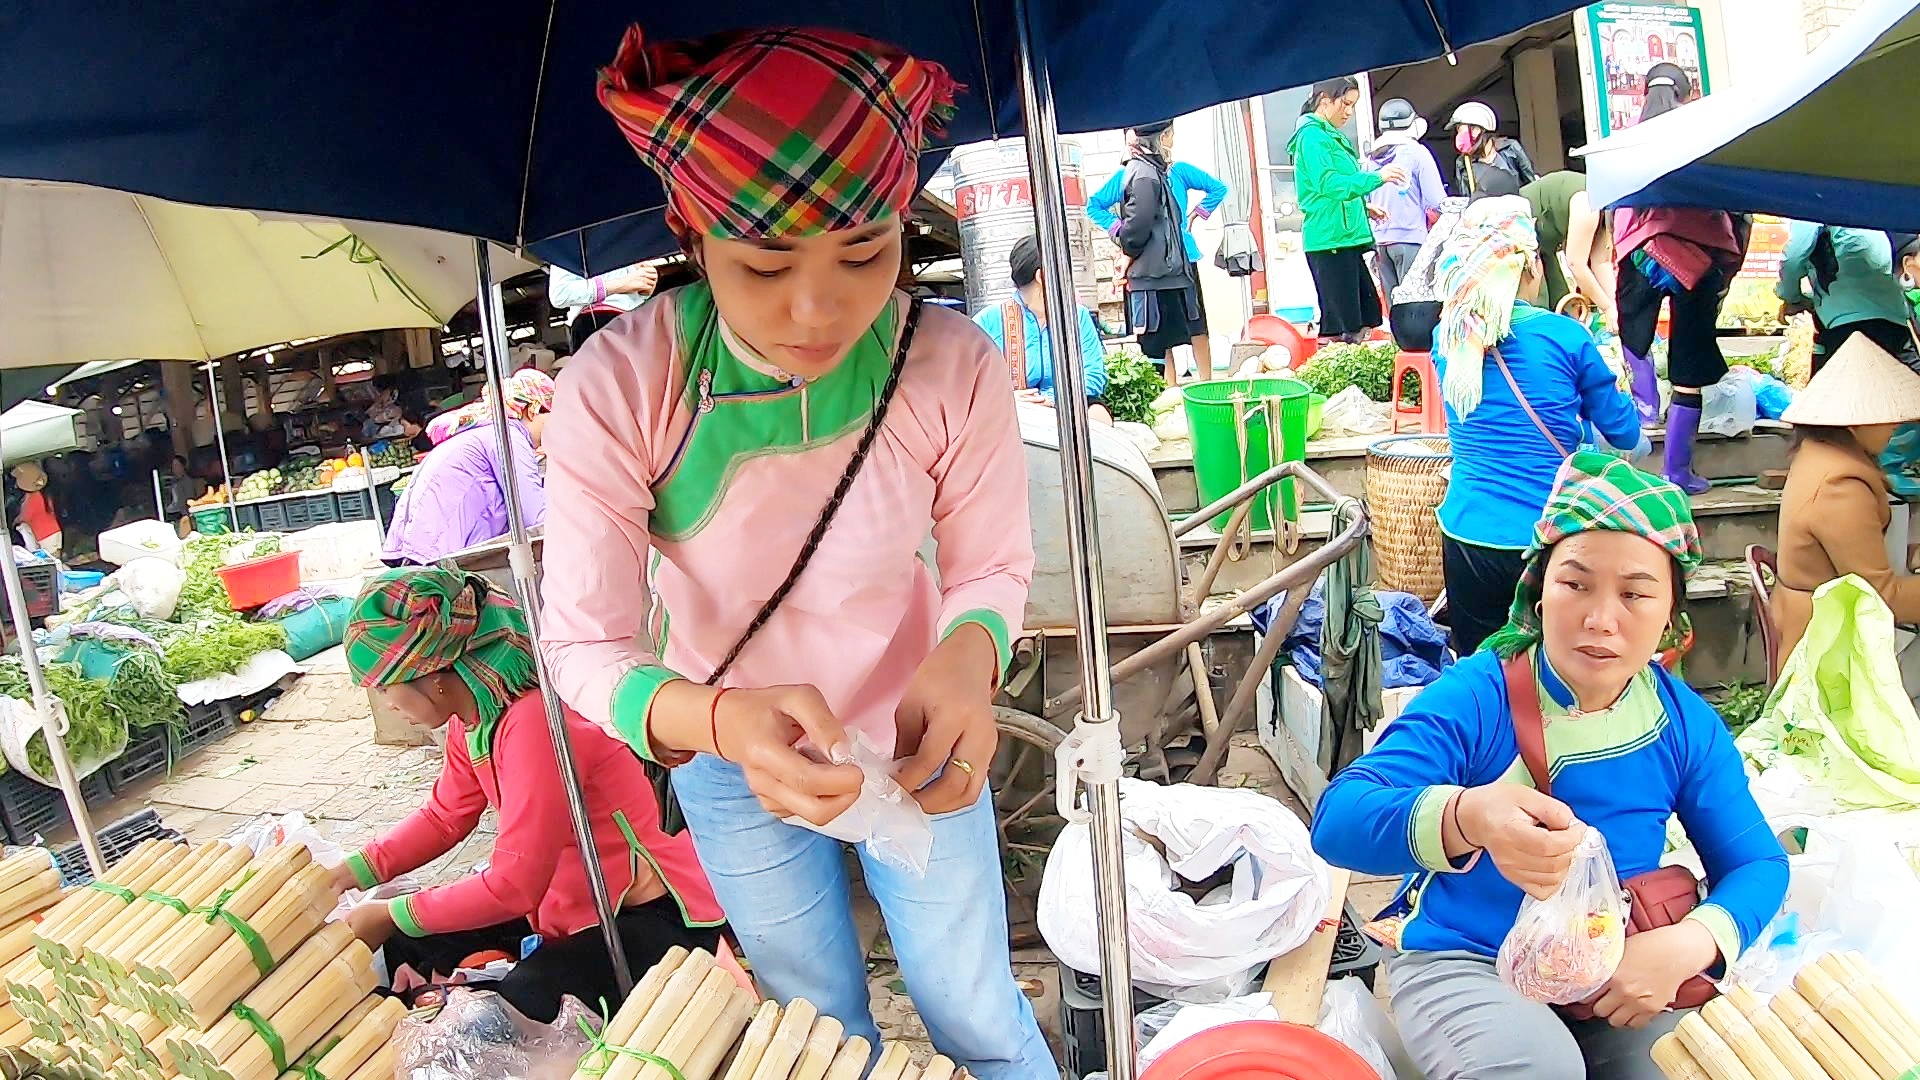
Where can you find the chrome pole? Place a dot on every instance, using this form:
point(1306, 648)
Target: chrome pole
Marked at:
point(159, 503)
point(52, 715)
point(493, 332)
point(1097, 730)
point(220, 437)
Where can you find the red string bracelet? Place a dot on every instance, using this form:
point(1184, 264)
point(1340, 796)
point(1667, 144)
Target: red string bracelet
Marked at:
point(713, 724)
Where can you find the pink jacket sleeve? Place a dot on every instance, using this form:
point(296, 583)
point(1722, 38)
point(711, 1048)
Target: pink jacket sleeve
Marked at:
point(608, 415)
point(534, 829)
point(984, 538)
point(449, 816)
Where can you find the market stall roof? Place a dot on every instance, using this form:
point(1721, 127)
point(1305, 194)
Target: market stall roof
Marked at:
point(483, 120)
point(1830, 140)
point(34, 429)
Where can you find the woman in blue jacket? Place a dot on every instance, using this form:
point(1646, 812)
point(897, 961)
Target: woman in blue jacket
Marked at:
point(1446, 799)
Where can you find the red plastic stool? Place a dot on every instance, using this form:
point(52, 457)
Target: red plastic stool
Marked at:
point(1430, 414)
point(1260, 1050)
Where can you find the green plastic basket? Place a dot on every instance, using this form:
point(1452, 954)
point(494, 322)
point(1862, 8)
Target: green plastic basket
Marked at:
point(1234, 440)
point(212, 522)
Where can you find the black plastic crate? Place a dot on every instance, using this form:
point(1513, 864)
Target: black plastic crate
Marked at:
point(353, 505)
point(146, 755)
point(248, 514)
point(40, 581)
point(206, 724)
point(116, 842)
point(1354, 953)
point(273, 515)
point(322, 509)
point(29, 809)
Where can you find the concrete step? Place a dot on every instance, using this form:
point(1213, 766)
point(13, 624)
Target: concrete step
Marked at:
point(1343, 461)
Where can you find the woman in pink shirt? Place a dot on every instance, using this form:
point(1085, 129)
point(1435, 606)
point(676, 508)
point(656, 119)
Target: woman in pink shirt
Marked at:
point(444, 649)
point(743, 471)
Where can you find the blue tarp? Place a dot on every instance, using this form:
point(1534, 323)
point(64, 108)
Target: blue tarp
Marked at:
point(1413, 650)
point(480, 117)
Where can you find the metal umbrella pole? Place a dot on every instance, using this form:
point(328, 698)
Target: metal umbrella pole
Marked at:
point(52, 715)
point(1092, 754)
point(220, 437)
point(493, 330)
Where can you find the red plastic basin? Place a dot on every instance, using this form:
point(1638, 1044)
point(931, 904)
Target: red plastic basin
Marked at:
point(1260, 1050)
point(258, 581)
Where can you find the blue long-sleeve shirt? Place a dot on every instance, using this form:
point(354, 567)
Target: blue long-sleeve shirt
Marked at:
point(1184, 179)
point(1038, 346)
point(1503, 467)
point(1864, 286)
point(1661, 752)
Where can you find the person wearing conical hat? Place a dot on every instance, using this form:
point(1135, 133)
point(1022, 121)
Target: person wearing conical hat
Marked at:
point(1835, 510)
point(742, 471)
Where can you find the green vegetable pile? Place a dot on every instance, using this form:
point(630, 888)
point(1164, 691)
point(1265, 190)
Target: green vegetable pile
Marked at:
point(1742, 705)
point(1370, 367)
point(99, 711)
point(203, 594)
point(1132, 386)
point(220, 646)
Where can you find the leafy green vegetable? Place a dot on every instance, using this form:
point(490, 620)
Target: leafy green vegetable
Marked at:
point(97, 709)
point(220, 646)
point(203, 593)
point(1742, 705)
point(1370, 367)
point(1132, 385)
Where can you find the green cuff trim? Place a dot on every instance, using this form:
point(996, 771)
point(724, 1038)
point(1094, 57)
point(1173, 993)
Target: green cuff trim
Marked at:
point(995, 625)
point(362, 870)
point(1426, 829)
point(404, 920)
point(1719, 922)
point(633, 700)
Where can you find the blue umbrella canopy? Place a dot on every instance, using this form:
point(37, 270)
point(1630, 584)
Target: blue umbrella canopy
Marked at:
point(480, 117)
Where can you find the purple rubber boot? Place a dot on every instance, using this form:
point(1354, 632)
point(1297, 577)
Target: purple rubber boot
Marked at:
point(1683, 424)
point(1646, 388)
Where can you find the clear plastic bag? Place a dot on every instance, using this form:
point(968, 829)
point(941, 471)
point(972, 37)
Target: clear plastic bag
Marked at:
point(476, 1035)
point(1563, 949)
point(885, 818)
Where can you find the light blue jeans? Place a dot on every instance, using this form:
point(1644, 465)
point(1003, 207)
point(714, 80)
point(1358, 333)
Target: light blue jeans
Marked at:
point(786, 895)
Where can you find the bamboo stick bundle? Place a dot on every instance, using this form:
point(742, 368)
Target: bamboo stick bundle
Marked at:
point(660, 1012)
point(381, 1066)
point(79, 900)
point(104, 900)
point(713, 1048)
point(1788, 1050)
point(15, 1033)
point(194, 940)
point(1738, 1033)
point(851, 1062)
point(789, 1039)
point(159, 910)
point(619, 1030)
point(940, 1068)
point(23, 865)
point(910, 1072)
point(299, 1025)
point(894, 1060)
point(308, 1065)
point(274, 992)
point(1852, 1020)
point(283, 924)
point(818, 1051)
point(1852, 971)
point(753, 1045)
point(1828, 1046)
point(355, 1040)
point(16, 941)
point(34, 894)
point(703, 1012)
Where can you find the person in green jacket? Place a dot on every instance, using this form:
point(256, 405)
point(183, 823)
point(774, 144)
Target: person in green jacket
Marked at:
point(1846, 278)
point(1333, 194)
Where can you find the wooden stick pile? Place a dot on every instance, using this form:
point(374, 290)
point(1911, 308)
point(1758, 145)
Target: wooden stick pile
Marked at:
point(203, 963)
point(29, 885)
point(693, 1015)
point(1839, 1022)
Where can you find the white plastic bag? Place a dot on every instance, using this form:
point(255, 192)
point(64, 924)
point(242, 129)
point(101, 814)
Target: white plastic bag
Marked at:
point(1353, 412)
point(20, 721)
point(1730, 407)
point(1278, 892)
point(477, 1034)
point(1171, 1023)
point(1563, 949)
point(152, 586)
point(1350, 1014)
point(884, 818)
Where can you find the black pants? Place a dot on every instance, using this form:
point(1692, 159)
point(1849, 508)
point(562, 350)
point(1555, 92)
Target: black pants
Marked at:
point(576, 965)
point(1693, 345)
point(585, 325)
point(1349, 302)
point(1480, 584)
point(1891, 336)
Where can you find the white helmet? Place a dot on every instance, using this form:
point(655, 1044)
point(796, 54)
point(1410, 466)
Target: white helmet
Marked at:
point(1476, 113)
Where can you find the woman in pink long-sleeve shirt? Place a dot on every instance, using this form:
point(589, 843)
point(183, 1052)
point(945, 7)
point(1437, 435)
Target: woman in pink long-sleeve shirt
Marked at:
point(699, 446)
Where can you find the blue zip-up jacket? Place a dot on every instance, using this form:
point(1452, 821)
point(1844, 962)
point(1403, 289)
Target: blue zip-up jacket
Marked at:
point(1661, 752)
point(1185, 179)
point(1038, 346)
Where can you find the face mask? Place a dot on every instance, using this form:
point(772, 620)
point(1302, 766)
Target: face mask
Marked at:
point(1464, 140)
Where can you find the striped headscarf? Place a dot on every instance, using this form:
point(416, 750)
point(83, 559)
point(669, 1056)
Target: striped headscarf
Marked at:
point(417, 621)
point(528, 393)
point(1598, 491)
point(782, 132)
point(1479, 275)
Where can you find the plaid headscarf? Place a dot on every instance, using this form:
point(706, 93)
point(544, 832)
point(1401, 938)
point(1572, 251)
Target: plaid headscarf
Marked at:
point(1479, 279)
point(1598, 491)
point(417, 621)
point(781, 132)
point(528, 392)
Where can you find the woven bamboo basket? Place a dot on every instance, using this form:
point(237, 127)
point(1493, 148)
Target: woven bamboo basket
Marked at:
point(1406, 479)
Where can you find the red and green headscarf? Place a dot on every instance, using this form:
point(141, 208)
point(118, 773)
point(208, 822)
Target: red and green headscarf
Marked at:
point(783, 132)
point(418, 621)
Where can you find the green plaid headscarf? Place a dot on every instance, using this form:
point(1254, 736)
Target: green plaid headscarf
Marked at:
point(1597, 491)
point(417, 621)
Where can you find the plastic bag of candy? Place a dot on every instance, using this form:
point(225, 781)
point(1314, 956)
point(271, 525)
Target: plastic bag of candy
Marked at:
point(1563, 949)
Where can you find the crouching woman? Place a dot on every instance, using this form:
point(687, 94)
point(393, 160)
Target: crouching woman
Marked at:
point(1568, 690)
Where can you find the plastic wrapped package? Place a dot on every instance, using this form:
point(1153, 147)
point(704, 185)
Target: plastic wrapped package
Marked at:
point(1563, 949)
point(884, 818)
point(1170, 1023)
point(1350, 1014)
point(476, 1035)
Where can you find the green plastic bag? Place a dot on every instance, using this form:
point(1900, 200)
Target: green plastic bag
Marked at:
point(316, 628)
point(1839, 715)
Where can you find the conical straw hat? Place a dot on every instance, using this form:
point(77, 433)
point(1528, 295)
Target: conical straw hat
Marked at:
point(1862, 384)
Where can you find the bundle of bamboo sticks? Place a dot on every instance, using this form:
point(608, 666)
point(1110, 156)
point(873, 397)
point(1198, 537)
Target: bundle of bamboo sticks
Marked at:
point(690, 1013)
point(29, 885)
point(1839, 1022)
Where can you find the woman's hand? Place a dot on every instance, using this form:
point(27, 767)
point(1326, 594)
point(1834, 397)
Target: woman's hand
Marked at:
point(758, 730)
point(1394, 174)
point(372, 923)
point(1656, 963)
point(342, 878)
point(945, 721)
point(1529, 836)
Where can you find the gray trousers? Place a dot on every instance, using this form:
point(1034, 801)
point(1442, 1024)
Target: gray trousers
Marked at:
point(1460, 1022)
point(1392, 261)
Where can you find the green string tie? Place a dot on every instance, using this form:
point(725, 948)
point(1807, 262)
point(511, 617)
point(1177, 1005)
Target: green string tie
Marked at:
point(267, 1035)
point(307, 1067)
point(262, 956)
point(173, 902)
point(602, 1053)
point(125, 894)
